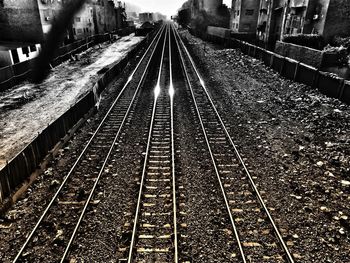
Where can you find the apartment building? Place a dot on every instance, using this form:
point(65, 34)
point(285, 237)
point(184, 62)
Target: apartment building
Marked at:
point(328, 18)
point(83, 23)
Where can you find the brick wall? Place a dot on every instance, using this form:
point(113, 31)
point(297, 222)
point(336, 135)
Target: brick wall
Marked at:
point(20, 21)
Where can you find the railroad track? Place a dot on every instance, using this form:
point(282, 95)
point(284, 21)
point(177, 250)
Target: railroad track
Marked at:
point(154, 227)
point(57, 227)
point(256, 233)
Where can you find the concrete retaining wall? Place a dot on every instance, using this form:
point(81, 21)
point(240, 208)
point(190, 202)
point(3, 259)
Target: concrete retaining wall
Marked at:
point(309, 56)
point(218, 32)
point(296, 70)
point(27, 161)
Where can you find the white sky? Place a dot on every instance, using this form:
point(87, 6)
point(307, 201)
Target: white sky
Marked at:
point(166, 7)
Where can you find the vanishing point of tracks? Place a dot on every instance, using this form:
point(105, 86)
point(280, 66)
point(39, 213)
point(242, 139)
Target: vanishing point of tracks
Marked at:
point(153, 230)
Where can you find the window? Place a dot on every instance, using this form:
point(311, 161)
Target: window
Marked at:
point(32, 48)
point(79, 31)
point(77, 19)
point(25, 51)
point(249, 12)
point(15, 57)
point(237, 12)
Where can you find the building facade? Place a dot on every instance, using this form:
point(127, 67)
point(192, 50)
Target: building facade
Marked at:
point(328, 18)
point(271, 20)
point(121, 15)
point(48, 10)
point(244, 16)
point(24, 24)
point(27, 20)
point(104, 16)
point(83, 25)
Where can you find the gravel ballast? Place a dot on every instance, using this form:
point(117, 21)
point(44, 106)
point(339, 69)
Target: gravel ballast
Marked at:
point(296, 142)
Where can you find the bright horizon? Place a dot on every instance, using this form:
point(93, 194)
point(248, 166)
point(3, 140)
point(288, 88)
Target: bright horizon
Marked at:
point(167, 8)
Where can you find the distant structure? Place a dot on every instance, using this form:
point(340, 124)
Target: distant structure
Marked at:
point(132, 16)
point(146, 17)
point(132, 11)
point(158, 17)
point(244, 16)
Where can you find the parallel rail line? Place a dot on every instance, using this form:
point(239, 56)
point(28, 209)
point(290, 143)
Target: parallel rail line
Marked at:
point(104, 138)
point(154, 227)
point(154, 234)
point(217, 137)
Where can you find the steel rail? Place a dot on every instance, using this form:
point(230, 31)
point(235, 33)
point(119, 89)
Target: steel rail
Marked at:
point(30, 236)
point(251, 180)
point(212, 156)
point(156, 94)
point(172, 94)
point(105, 162)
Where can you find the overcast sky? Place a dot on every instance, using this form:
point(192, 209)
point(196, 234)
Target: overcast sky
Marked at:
point(166, 7)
